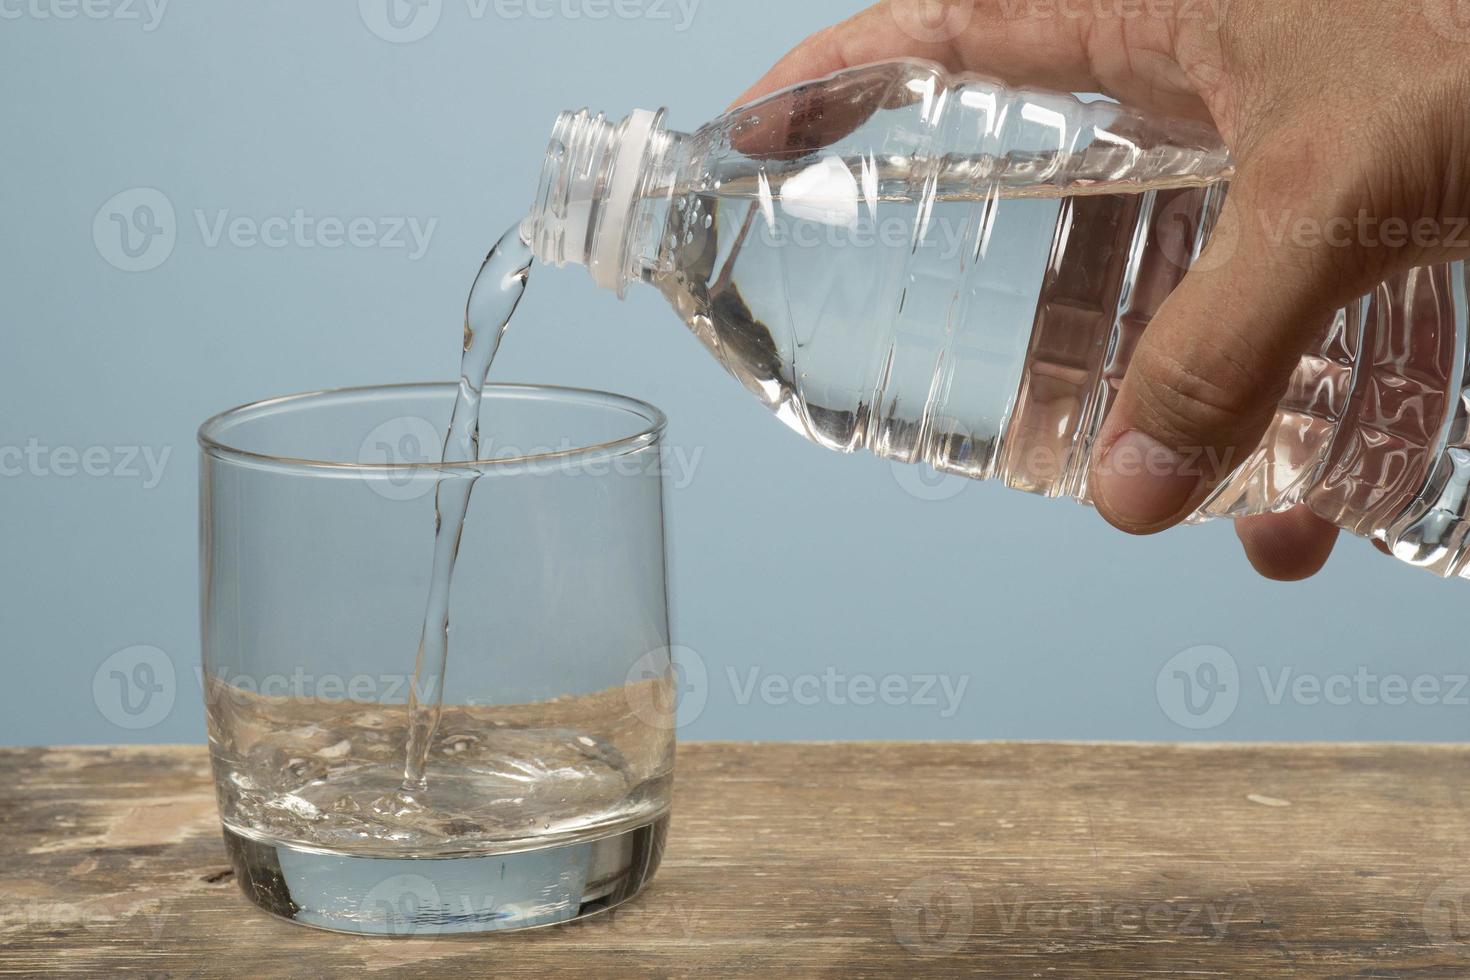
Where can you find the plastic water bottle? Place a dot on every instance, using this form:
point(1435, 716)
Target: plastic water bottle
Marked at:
point(941, 269)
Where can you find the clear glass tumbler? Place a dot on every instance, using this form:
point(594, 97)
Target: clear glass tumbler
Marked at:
point(550, 768)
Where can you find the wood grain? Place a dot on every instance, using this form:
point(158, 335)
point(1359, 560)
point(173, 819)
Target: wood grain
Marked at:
point(830, 860)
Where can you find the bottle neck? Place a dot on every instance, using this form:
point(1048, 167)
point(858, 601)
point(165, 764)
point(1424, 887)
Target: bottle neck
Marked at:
point(601, 184)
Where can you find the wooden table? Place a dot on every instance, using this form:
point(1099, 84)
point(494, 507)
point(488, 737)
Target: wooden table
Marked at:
point(831, 860)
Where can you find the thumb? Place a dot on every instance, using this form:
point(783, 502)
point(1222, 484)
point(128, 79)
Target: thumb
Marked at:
point(1209, 370)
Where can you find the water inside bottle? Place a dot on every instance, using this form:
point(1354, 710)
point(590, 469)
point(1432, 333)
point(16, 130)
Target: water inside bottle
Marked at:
point(988, 334)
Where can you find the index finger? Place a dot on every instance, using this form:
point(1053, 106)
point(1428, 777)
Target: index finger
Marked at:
point(1066, 47)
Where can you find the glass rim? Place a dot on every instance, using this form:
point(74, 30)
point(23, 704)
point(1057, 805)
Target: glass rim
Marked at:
point(212, 442)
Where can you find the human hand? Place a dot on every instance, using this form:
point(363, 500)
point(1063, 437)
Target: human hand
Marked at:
point(1335, 111)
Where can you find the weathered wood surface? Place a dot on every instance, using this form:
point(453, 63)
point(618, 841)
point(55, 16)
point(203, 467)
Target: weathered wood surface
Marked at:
point(853, 860)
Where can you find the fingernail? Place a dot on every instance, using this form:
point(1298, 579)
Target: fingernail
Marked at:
point(1142, 482)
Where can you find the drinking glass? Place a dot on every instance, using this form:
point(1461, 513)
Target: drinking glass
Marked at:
point(549, 772)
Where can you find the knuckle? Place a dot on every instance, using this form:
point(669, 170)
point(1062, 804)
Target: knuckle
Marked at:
point(1200, 400)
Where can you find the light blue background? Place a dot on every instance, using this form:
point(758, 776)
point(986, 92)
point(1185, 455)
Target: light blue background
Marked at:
point(787, 560)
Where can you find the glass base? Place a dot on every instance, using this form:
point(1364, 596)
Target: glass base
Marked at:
point(437, 896)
